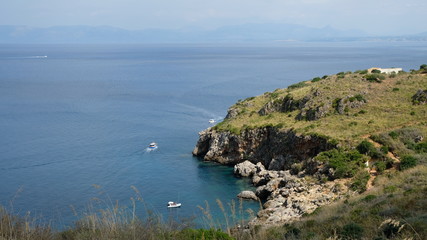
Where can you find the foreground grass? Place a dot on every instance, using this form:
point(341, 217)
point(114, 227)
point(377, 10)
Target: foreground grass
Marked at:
point(395, 208)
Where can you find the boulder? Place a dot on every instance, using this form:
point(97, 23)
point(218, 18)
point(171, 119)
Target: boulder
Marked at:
point(420, 97)
point(248, 195)
point(245, 169)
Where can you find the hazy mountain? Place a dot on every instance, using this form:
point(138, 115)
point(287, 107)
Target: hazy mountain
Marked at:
point(236, 33)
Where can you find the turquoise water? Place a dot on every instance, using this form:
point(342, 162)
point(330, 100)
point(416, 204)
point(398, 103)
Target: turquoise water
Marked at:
point(75, 124)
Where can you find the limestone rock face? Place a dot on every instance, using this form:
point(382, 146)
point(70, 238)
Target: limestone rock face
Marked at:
point(288, 197)
point(248, 195)
point(273, 148)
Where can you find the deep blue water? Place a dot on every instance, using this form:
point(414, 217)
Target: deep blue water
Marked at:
point(83, 116)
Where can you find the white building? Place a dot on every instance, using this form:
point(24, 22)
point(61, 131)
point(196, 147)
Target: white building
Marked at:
point(386, 70)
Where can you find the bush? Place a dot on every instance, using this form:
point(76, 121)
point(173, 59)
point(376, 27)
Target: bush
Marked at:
point(421, 147)
point(360, 98)
point(360, 180)
point(316, 79)
point(297, 85)
point(352, 231)
point(381, 166)
point(375, 77)
point(345, 164)
point(393, 134)
point(366, 147)
point(407, 161)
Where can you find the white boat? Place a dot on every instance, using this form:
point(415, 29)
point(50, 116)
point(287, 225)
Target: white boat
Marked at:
point(152, 146)
point(211, 121)
point(173, 205)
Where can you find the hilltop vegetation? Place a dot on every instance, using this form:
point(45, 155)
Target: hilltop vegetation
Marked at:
point(345, 106)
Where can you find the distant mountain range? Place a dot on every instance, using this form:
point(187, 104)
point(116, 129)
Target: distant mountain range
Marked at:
point(236, 33)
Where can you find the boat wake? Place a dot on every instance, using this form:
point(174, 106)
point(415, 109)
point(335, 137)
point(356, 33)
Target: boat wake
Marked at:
point(212, 117)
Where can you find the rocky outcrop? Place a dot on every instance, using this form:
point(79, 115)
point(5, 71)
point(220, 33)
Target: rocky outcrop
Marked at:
point(269, 156)
point(249, 195)
point(245, 169)
point(342, 105)
point(420, 97)
point(282, 104)
point(275, 149)
point(287, 197)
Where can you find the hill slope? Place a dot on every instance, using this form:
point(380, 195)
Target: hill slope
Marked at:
point(323, 140)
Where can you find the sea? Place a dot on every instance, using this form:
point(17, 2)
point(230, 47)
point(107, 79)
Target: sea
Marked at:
point(76, 120)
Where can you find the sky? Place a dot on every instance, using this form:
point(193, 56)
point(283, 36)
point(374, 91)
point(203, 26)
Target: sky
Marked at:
point(378, 17)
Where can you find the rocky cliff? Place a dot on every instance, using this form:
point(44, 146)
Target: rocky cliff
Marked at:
point(275, 160)
point(275, 149)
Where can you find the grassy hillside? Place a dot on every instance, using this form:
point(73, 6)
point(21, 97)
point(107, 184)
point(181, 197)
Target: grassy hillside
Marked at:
point(386, 104)
point(395, 208)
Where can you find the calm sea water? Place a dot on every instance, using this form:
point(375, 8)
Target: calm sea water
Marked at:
point(75, 120)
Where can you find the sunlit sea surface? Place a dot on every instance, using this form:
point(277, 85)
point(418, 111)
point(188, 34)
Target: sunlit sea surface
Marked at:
point(75, 120)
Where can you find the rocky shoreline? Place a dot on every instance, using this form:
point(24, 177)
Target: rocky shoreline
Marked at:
point(281, 166)
point(287, 197)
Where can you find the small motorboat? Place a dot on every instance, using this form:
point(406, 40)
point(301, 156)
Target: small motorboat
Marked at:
point(173, 205)
point(152, 146)
point(211, 121)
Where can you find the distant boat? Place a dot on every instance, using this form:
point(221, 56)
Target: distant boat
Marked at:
point(173, 205)
point(152, 146)
point(211, 121)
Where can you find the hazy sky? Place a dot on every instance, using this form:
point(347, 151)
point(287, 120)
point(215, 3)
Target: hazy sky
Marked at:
point(372, 16)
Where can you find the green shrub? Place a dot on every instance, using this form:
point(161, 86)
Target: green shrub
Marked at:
point(352, 231)
point(297, 85)
point(345, 163)
point(360, 180)
point(360, 98)
point(393, 134)
point(421, 147)
point(366, 147)
point(376, 71)
point(316, 79)
point(396, 89)
point(407, 161)
point(369, 198)
point(381, 166)
point(384, 149)
point(375, 77)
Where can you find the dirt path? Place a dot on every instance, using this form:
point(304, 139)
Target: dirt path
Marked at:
point(373, 173)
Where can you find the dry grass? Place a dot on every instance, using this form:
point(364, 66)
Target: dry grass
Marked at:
point(388, 107)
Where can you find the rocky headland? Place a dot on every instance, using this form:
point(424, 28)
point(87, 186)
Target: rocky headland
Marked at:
point(319, 141)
